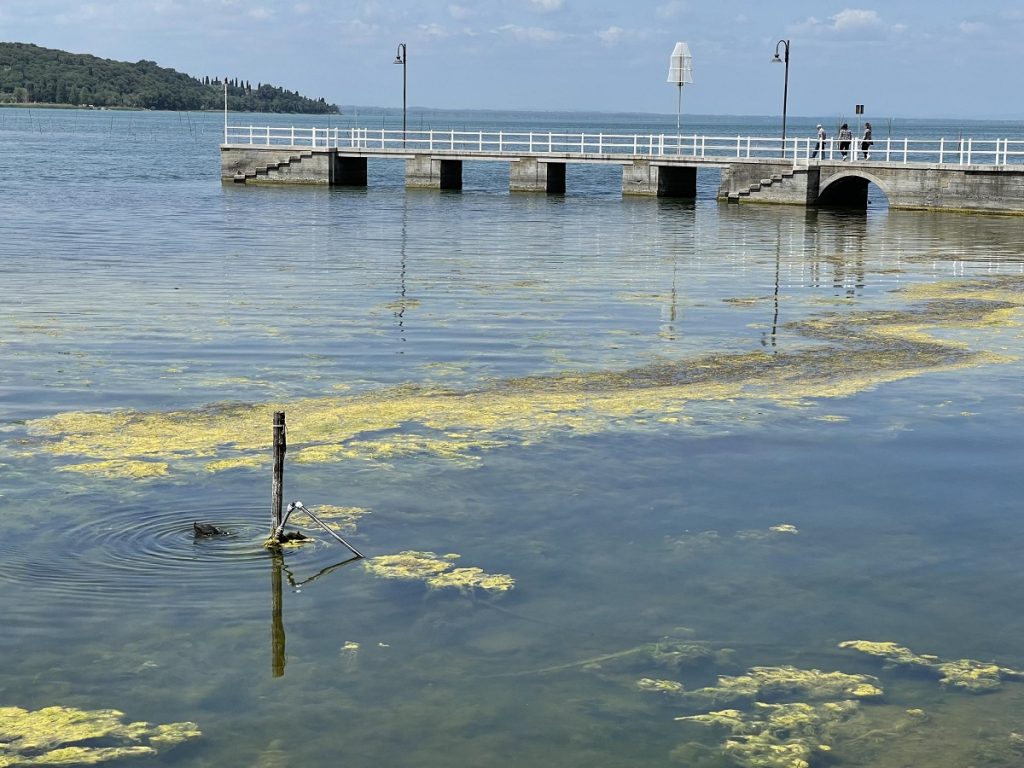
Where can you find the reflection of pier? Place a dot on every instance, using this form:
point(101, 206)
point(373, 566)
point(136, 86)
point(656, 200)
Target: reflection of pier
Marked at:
point(939, 174)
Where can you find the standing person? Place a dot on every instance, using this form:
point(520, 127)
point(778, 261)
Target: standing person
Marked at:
point(866, 142)
point(845, 138)
point(821, 143)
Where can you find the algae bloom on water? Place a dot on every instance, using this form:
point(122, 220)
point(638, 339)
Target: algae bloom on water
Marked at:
point(71, 736)
point(438, 572)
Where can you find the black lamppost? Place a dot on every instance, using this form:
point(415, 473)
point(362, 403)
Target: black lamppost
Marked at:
point(785, 86)
point(400, 58)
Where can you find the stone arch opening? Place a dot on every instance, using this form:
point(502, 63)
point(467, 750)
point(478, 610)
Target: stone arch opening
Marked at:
point(850, 190)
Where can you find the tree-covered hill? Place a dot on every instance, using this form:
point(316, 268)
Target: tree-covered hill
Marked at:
point(30, 74)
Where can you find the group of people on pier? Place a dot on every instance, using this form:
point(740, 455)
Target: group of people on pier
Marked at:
point(845, 139)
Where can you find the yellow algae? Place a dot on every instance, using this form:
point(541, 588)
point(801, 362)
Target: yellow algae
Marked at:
point(853, 352)
point(832, 418)
point(341, 519)
point(120, 468)
point(71, 736)
point(785, 681)
point(784, 528)
point(436, 571)
point(659, 686)
point(467, 578)
point(239, 462)
point(778, 735)
point(964, 674)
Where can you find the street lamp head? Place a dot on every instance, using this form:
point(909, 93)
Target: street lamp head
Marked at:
point(776, 59)
point(400, 55)
point(398, 60)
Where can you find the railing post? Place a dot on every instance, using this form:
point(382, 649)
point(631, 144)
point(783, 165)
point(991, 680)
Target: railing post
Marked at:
point(942, 148)
point(969, 147)
point(500, 140)
point(452, 139)
point(480, 140)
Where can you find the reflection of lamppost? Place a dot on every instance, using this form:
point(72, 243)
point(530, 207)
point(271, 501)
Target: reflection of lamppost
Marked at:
point(785, 86)
point(400, 58)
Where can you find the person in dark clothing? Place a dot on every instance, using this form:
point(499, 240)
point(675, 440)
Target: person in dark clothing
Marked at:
point(845, 138)
point(866, 142)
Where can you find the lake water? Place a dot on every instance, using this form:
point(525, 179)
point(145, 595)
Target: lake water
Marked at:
point(708, 443)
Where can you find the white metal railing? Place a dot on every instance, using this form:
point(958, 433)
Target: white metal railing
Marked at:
point(609, 146)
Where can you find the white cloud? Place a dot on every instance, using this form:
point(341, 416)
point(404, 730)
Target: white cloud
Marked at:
point(849, 23)
point(459, 11)
point(855, 18)
point(259, 13)
point(973, 27)
point(433, 30)
point(530, 34)
point(615, 35)
point(546, 6)
point(671, 9)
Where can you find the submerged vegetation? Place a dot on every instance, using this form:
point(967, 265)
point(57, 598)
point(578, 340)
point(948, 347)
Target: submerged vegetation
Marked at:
point(961, 674)
point(860, 350)
point(789, 717)
point(70, 736)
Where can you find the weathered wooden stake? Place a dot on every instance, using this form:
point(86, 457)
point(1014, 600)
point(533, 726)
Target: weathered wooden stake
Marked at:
point(277, 487)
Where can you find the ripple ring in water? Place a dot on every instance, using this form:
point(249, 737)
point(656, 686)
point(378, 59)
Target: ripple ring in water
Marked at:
point(136, 551)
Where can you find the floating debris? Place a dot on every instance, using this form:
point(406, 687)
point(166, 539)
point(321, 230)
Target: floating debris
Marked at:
point(659, 686)
point(70, 736)
point(438, 572)
point(964, 674)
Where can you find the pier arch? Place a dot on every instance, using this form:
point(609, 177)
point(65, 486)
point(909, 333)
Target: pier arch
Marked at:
point(848, 189)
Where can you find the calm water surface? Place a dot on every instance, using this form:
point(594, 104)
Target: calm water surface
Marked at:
point(612, 401)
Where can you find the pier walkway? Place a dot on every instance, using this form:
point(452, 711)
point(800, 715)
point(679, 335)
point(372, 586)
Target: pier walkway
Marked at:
point(933, 174)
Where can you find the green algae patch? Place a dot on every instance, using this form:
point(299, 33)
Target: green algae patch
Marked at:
point(846, 353)
point(774, 683)
point(778, 735)
point(437, 572)
point(341, 519)
point(118, 468)
point(962, 674)
point(70, 736)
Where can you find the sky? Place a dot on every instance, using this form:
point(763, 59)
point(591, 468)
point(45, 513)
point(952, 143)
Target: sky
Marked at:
point(901, 58)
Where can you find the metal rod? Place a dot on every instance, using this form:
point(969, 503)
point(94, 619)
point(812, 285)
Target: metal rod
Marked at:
point(299, 505)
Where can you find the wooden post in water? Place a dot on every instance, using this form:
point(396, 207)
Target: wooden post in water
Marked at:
point(277, 486)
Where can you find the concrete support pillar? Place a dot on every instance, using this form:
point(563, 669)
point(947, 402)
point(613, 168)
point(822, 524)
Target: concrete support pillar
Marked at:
point(349, 171)
point(645, 178)
point(528, 174)
point(424, 172)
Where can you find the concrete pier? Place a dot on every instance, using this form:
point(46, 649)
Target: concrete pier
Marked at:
point(529, 174)
point(426, 172)
point(650, 170)
point(643, 177)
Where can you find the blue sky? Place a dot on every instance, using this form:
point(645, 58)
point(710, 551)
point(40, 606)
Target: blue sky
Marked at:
point(902, 58)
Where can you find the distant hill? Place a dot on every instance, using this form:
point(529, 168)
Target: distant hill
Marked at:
point(30, 74)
